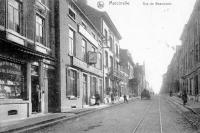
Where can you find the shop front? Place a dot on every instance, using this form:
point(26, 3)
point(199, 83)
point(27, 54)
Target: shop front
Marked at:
point(25, 82)
point(13, 103)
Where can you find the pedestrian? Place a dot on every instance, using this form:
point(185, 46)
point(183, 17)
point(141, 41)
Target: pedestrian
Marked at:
point(125, 99)
point(184, 97)
point(112, 98)
point(97, 99)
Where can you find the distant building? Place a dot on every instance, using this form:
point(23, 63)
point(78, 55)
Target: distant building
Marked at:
point(127, 66)
point(140, 77)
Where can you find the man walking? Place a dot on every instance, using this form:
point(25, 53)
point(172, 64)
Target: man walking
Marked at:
point(184, 97)
point(125, 99)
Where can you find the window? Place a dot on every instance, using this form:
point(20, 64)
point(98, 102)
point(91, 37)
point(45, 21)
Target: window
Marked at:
point(106, 35)
point(72, 84)
point(11, 80)
point(83, 50)
point(100, 61)
point(93, 50)
point(117, 52)
point(72, 14)
point(39, 29)
point(111, 62)
point(106, 54)
point(71, 41)
point(84, 25)
point(111, 43)
point(93, 35)
point(14, 15)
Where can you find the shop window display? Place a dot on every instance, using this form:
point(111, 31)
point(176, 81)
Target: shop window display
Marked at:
point(11, 80)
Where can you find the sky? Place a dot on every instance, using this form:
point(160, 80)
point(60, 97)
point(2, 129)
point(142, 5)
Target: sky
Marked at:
point(149, 31)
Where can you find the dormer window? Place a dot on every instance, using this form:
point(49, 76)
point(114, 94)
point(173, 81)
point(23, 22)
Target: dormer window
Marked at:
point(72, 14)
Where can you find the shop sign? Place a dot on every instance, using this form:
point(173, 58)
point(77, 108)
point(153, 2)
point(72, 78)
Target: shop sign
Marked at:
point(92, 57)
point(10, 68)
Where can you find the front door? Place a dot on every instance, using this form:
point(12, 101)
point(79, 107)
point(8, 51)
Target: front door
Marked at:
point(36, 95)
point(35, 90)
point(85, 91)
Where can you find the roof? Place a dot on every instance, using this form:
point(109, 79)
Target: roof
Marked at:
point(96, 16)
point(81, 11)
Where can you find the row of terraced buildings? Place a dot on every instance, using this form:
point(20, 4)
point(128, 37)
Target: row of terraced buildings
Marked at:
point(183, 73)
point(56, 55)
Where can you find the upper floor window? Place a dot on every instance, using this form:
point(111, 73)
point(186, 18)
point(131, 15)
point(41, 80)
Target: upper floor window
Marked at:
point(106, 57)
point(93, 35)
point(106, 35)
point(83, 49)
point(14, 15)
point(72, 13)
point(111, 43)
point(71, 41)
point(111, 62)
point(84, 25)
point(93, 50)
point(39, 29)
point(100, 61)
point(117, 52)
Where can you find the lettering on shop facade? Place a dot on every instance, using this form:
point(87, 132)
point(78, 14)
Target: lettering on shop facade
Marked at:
point(10, 68)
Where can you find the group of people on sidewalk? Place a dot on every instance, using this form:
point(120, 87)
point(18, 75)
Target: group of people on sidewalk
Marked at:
point(184, 97)
point(98, 99)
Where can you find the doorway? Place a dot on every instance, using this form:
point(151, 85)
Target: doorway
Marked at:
point(85, 90)
point(35, 90)
point(36, 94)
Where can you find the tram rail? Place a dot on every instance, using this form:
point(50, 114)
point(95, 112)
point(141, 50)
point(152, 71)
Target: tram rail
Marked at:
point(147, 109)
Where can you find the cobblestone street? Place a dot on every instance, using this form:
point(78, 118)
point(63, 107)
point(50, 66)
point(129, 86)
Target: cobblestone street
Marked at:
point(125, 118)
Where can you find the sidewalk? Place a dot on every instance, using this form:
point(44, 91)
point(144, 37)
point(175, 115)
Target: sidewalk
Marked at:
point(194, 106)
point(190, 111)
point(42, 120)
